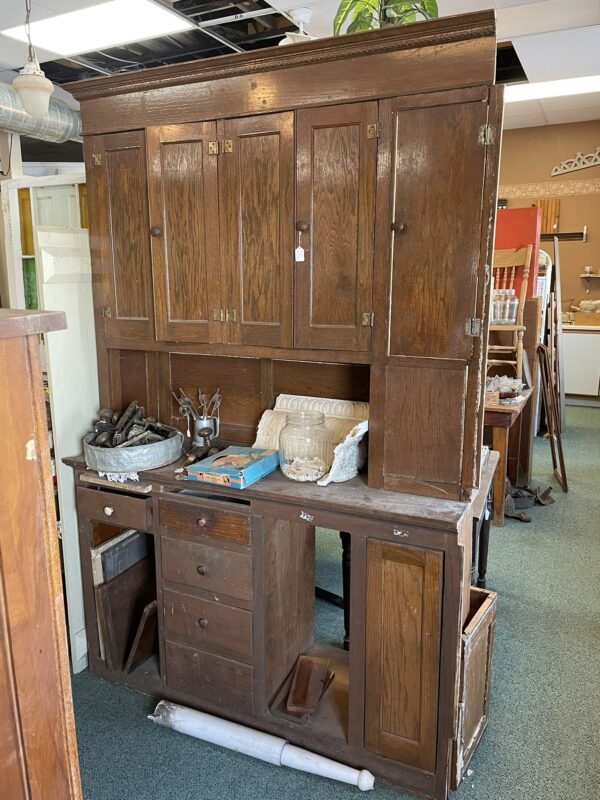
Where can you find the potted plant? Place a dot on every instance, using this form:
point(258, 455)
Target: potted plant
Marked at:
point(366, 15)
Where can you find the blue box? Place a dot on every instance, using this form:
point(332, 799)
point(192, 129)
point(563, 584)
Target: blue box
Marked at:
point(236, 467)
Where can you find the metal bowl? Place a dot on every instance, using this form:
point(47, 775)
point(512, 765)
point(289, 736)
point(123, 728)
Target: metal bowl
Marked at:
point(135, 458)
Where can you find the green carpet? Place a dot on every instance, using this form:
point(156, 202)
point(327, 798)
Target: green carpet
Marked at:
point(542, 740)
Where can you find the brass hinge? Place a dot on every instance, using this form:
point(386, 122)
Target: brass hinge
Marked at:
point(230, 314)
point(218, 315)
point(213, 148)
point(373, 130)
point(227, 146)
point(368, 318)
point(487, 134)
point(97, 159)
point(106, 311)
point(473, 327)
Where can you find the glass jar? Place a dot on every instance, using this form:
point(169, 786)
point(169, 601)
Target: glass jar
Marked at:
point(305, 446)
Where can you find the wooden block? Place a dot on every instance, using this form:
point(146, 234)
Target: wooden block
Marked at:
point(145, 643)
point(307, 685)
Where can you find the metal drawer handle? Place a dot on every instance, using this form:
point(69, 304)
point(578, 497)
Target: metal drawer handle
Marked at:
point(108, 511)
point(201, 569)
point(202, 521)
point(203, 622)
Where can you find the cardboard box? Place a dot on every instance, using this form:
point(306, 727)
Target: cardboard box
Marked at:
point(236, 467)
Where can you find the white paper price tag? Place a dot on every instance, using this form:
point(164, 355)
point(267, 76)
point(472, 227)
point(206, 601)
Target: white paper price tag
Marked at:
point(299, 253)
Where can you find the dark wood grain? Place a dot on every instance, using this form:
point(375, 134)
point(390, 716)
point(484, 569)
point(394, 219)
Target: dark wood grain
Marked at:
point(335, 187)
point(182, 183)
point(116, 509)
point(341, 381)
point(39, 752)
point(145, 642)
point(210, 569)
point(309, 681)
point(191, 518)
point(402, 655)
point(256, 198)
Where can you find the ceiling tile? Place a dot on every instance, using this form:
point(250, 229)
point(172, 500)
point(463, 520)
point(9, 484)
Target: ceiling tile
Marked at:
point(13, 54)
point(560, 54)
point(552, 15)
point(573, 115)
point(579, 102)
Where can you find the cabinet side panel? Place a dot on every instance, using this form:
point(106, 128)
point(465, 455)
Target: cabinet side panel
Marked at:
point(402, 652)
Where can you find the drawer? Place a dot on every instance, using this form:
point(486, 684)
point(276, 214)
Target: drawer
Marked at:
point(207, 623)
point(204, 567)
point(195, 518)
point(477, 643)
point(118, 509)
point(219, 681)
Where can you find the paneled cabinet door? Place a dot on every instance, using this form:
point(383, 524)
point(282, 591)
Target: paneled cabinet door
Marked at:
point(184, 218)
point(335, 212)
point(119, 233)
point(256, 200)
point(404, 588)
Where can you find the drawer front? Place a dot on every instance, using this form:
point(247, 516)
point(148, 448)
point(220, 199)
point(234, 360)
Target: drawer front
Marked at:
point(206, 623)
point(200, 519)
point(118, 509)
point(204, 567)
point(217, 680)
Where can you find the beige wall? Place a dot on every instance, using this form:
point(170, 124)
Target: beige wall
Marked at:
point(528, 156)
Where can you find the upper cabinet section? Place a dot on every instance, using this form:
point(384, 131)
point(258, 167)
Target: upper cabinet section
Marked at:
point(182, 175)
point(256, 206)
point(116, 178)
point(335, 214)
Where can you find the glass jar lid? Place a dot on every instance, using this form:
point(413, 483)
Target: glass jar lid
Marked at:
point(304, 418)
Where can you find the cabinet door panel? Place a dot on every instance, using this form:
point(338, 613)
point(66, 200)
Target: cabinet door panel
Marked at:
point(184, 206)
point(435, 259)
point(119, 232)
point(402, 652)
point(336, 164)
point(256, 185)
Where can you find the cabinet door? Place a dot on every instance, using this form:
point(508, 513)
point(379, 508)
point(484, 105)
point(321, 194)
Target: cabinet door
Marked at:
point(119, 233)
point(335, 197)
point(256, 193)
point(185, 237)
point(404, 587)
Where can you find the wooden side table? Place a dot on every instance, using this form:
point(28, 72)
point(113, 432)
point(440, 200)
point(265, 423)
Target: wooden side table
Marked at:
point(482, 519)
point(501, 419)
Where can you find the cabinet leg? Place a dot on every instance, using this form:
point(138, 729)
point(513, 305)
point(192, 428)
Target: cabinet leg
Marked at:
point(346, 564)
point(500, 443)
point(484, 541)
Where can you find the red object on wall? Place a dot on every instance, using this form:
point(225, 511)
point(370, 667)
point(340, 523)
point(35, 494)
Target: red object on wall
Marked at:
point(516, 228)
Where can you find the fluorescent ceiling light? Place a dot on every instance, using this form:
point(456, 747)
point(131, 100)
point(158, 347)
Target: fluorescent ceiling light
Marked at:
point(105, 25)
point(516, 93)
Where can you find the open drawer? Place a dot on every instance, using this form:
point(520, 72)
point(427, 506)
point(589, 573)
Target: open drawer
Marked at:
point(475, 679)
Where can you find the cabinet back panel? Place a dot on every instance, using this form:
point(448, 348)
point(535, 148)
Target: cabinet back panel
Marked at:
point(340, 381)
point(134, 380)
point(435, 260)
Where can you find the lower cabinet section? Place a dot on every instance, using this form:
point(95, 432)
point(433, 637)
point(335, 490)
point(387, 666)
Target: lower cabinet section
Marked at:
point(403, 607)
point(475, 679)
point(214, 679)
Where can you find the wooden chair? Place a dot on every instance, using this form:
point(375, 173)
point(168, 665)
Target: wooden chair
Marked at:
point(505, 265)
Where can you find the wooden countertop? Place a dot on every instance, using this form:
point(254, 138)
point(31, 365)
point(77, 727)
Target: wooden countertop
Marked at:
point(352, 497)
point(18, 322)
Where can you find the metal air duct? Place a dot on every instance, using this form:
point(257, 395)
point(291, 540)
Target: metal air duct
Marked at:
point(60, 124)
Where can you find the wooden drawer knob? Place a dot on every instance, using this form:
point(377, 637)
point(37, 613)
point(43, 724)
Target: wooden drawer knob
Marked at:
point(398, 227)
point(155, 231)
point(108, 510)
point(201, 569)
point(202, 522)
point(203, 622)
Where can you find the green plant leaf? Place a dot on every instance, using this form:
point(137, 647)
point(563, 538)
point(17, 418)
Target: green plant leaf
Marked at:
point(345, 7)
point(431, 8)
point(362, 21)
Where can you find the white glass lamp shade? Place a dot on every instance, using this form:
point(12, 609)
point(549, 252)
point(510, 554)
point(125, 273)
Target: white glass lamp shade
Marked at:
point(34, 89)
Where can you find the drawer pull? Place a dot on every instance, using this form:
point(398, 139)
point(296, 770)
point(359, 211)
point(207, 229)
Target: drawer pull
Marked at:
point(202, 521)
point(203, 622)
point(108, 510)
point(201, 569)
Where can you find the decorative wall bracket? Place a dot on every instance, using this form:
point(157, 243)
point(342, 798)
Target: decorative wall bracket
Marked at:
point(579, 162)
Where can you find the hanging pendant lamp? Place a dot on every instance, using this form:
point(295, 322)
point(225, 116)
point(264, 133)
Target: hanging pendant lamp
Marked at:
point(32, 86)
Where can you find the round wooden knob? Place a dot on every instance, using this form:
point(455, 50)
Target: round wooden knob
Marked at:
point(203, 622)
point(201, 522)
point(398, 227)
point(201, 569)
point(302, 226)
point(108, 511)
point(155, 231)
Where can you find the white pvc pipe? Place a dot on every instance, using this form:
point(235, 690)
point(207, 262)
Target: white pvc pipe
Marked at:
point(257, 744)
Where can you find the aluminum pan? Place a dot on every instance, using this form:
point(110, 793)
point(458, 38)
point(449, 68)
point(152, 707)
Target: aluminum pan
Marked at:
point(133, 459)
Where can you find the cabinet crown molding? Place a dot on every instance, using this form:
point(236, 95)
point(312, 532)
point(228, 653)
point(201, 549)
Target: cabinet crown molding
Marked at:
point(445, 30)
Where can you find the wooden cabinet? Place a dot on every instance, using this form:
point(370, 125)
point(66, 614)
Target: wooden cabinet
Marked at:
point(256, 201)
point(119, 234)
point(336, 159)
point(431, 282)
point(402, 652)
point(183, 190)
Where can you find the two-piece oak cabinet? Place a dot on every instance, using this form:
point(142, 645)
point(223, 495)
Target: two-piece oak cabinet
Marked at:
point(311, 220)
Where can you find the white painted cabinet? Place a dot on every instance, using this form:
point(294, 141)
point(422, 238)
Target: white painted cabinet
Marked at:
point(581, 360)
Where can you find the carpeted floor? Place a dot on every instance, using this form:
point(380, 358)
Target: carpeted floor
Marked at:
point(542, 740)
